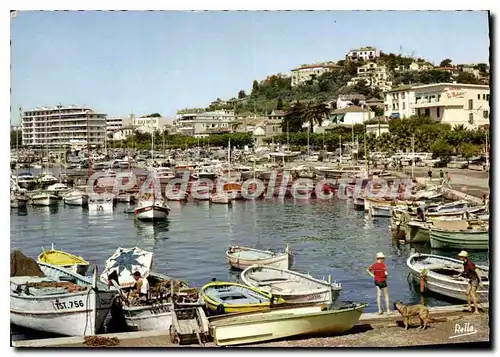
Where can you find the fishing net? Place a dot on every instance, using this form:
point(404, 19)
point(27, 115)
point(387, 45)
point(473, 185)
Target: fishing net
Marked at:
point(98, 341)
point(21, 265)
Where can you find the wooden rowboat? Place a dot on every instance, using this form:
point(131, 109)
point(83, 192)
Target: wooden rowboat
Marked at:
point(284, 322)
point(441, 275)
point(223, 297)
point(65, 260)
point(243, 257)
point(459, 235)
point(293, 287)
point(59, 301)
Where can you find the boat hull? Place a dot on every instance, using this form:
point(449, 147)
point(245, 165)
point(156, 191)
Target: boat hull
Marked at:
point(151, 213)
point(439, 284)
point(148, 318)
point(280, 261)
point(18, 203)
point(458, 240)
point(380, 211)
point(416, 233)
point(75, 200)
point(44, 201)
point(101, 206)
point(283, 323)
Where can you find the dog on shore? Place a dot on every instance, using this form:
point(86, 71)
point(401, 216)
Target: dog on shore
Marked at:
point(407, 312)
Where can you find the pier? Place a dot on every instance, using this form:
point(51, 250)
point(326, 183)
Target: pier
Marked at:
point(372, 330)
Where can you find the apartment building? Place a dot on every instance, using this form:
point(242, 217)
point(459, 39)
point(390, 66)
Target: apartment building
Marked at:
point(452, 103)
point(364, 53)
point(54, 127)
point(374, 75)
point(201, 124)
point(113, 124)
point(306, 72)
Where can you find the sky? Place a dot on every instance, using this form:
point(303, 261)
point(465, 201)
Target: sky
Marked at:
point(141, 62)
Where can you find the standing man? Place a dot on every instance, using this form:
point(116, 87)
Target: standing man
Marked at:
point(472, 273)
point(441, 174)
point(378, 272)
point(429, 173)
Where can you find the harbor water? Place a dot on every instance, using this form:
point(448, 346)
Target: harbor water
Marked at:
point(326, 238)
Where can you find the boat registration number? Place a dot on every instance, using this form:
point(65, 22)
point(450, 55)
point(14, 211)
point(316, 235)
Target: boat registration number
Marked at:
point(159, 310)
point(68, 304)
point(314, 297)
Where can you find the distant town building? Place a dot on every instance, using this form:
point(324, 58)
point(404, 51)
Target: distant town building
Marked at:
point(452, 103)
point(61, 125)
point(346, 100)
point(416, 66)
point(374, 75)
point(113, 124)
point(307, 72)
point(377, 129)
point(365, 53)
point(201, 124)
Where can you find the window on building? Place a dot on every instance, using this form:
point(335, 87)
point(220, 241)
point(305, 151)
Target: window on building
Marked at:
point(471, 104)
point(484, 96)
point(404, 105)
point(471, 118)
point(438, 112)
point(386, 107)
point(485, 114)
point(479, 97)
point(439, 97)
point(487, 97)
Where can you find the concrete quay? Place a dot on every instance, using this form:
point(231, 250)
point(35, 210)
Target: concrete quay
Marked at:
point(445, 316)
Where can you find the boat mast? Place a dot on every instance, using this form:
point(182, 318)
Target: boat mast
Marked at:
point(17, 142)
point(366, 152)
point(412, 155)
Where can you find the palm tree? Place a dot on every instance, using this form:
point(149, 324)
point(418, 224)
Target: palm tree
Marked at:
point(294, 117)
point(315, 113)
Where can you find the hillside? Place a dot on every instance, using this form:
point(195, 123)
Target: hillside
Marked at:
point(276, 91)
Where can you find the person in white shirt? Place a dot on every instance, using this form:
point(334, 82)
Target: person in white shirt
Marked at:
point(141, 284)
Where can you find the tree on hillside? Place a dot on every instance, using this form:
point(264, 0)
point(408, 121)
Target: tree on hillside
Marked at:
point(482, 67)
point(379, 112)
point(255, 87)
point(241, 94)
point(294, 118)
point(279, 104)
point(445, 63)
point(350, 67)
point(467, 78)
point(362, 88)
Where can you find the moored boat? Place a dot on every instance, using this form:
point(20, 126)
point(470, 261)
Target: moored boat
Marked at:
point(151, 210)
point(441, 276)
point(76, 198)
point(56, 300)
point(243, 257)
point(459, 235)
point(417, 232)
point(43, 199)
point(225, 297)
point(220, 199)
point(18, 199)
point(68, 261)
point(100, 202)
point(292, 286)
point(280, 323)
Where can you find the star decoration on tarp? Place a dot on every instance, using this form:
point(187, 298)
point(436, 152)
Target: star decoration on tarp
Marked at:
point(126, 260)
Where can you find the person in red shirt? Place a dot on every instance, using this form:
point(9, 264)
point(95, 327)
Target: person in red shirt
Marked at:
point(378, 272)
point(472, 274)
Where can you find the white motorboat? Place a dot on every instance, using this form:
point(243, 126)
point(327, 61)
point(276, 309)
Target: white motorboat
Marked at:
point(293, 287)
point(380, 211)
point(75, 198)
point(58, 189)
point(26, 180)
point(100, 203)
point(441, 276)
point(57, 300)
point(164, 174)
point(43, 199)
point(46, 179)
point(151, 210)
